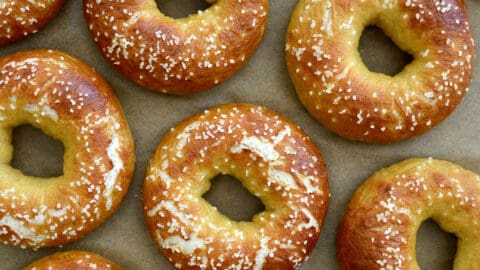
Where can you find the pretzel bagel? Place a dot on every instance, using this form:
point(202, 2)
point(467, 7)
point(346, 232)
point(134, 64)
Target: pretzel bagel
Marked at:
point(379, 227)
point(20, 18)
point(70, 102)
point(176, 56)
point(341, 93)
point(73, 260)
point(272, 158)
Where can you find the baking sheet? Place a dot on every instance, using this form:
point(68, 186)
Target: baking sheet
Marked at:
point(264, 81)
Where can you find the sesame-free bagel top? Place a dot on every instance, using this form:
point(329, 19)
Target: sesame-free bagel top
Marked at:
point(19, 18)
point(73, 260)
point(380, 225)
point(176, 56)
point(272, 158)
point(70, 102)
point(342, 94)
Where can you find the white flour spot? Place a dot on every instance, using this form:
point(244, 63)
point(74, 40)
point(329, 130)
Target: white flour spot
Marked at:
point(282, 177)
point(178, 244)
point(261, 254)
point(23, 232)
point(111, 176)
point(262, 148)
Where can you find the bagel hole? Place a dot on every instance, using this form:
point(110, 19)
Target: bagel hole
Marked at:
point(232, 199)
point(380, 54)
point(181, 8)
point(35, 153)
point(435, 248)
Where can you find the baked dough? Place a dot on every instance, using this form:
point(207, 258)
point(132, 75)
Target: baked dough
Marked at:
point(176, 56)
point(20, 18)
point(70, 102)
point(73, 260)
point(272, 158)
point(380, 225)
point(343, 95)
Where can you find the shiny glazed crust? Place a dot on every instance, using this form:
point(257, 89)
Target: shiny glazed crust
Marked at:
point(379, 227)
point(341, 93)
point(272, 158)
point(19, 18)
point(69, 101)
point(73, 260)
point(176, 56)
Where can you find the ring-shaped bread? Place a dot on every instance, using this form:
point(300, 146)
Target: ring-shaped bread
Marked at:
point(176, 56)
point(272, 158)
point(20, 18)
point(341, 93)
point(380, 225)
point(69, 101)
point(73, 260)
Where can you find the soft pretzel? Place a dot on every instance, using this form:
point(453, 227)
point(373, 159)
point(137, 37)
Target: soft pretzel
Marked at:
point(70, 102)
point(341, 93)
point(272, 158)
point(176, 56)
point(379, 227)
point(73, 260)
point(19, 18)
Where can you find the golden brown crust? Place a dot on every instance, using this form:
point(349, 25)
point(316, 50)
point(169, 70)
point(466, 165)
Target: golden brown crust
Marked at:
point(176, 56)
point(69, 101)
point(20, 18)
point(379, 227)
point(73, 260)
point(272, 158)
point(341, 93)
